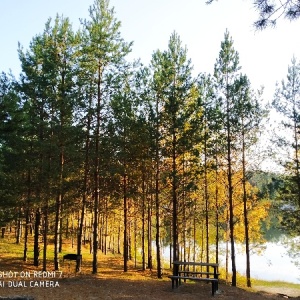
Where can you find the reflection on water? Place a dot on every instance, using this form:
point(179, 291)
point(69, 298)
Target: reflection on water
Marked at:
point(272, 264)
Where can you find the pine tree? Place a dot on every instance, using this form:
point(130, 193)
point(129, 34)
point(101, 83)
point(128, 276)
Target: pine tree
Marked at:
point(103, 53)
point(49, 64)
point(34, 89)
point(287, 102)
point(226, 74)
point(206, 133)
point(251, 115)
point(13, 163)
point(173, 90)
point(124, 125)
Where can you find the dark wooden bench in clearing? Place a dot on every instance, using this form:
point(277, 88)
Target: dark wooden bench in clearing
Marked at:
point(177, 280)
point(181, 271)
point(77, 258)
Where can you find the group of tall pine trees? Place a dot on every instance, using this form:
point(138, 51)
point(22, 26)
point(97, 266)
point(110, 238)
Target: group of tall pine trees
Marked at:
point(124, 147)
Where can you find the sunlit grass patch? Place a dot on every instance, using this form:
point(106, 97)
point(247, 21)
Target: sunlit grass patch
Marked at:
point(10, 248)
point(283, 284)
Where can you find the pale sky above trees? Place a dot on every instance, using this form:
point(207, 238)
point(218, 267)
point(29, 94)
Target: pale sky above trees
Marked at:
point(264, 55)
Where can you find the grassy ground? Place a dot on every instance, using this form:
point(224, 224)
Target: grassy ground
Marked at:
point(277, 287)
point(282, 284)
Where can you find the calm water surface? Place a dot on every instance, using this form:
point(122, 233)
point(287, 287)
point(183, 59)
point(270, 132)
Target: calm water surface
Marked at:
point(273, 264)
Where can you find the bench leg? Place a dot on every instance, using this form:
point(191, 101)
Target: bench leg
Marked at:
point(173, 283)
point(214, 287)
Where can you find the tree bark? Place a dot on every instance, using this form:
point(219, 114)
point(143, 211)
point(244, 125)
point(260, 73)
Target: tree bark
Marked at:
point(27, 215)
point(246, 223)
point(143, 220)
point(45, 235)
point(217, 209)
point(157, 191)
point(36, 247)
point(230, 185)
point(174, 202)
point(149, 225)
point(125, 223)
point(97, 174)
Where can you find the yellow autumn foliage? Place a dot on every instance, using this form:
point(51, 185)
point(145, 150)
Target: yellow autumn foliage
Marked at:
point(257, 209)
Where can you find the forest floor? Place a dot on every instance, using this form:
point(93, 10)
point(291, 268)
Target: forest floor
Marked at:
point(113, 283)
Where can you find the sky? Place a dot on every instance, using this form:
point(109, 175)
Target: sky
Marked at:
point(264, 55)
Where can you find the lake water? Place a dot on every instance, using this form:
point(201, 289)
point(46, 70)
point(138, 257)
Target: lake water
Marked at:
point(273, 264)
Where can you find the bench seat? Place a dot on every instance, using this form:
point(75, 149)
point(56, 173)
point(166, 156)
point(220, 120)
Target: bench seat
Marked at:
point(214, 281)
point(197, 273)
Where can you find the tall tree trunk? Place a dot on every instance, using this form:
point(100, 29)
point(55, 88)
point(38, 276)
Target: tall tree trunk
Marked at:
point(217, 209)
point(227, 246)
point(27, 215)
point(61, 232)
point(45, 235)
point(230, 187)
point(129, 240)
point(26, 235)
point(119, 239)
point(19, 227)
point(171, 247)
point(97, 174)
point(194, 233)
point(157, 191)
point(36, 247)
point(296, 143)
point(59, 198)
point(202, 241)
point(46, 213)
point(143, 220)
point(125, 251)
point(135, 243)
point(184, 223)
point(157, 225)
point(101, 231)
point(174, 202)
point(206, 196)
point(82, 220)
point(246, 223)
point(57, 232)
point(149, 225)
point(106, 227)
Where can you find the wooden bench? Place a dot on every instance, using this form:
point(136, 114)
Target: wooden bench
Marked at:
point(177, 280)
point(72, 256)
point(181, 272)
